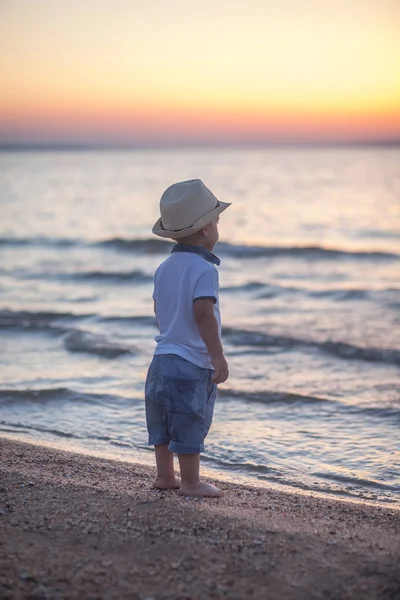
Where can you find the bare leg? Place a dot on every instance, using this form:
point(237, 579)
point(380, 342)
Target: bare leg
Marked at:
point(166, 478)
point(190, 473)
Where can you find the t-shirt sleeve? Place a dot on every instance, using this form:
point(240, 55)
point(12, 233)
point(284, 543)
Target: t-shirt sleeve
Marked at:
point(207, 285)
point(155, 285)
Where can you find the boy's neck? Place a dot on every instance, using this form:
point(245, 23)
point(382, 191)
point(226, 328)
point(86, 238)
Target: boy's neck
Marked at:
point(196, 249)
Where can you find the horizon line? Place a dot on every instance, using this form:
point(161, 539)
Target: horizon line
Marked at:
point(152, 145)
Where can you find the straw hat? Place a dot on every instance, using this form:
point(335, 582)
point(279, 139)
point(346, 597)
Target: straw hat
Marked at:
point(186, 207)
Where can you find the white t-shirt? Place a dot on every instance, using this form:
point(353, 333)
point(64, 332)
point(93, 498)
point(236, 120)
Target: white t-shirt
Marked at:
point(182, 278)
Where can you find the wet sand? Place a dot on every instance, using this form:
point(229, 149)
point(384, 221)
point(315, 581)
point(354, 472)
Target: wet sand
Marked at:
point(78, 527)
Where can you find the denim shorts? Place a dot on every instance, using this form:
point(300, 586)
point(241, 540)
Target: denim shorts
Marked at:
point(180, 398)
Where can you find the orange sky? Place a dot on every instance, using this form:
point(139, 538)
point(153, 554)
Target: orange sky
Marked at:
point(121, 71)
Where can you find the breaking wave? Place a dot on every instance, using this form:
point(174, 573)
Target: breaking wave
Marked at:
point(243, 337)
point(90, 343)
point(76, 340)
point(135, 276)
point(241, 251)
point(270, 397)
point(46, 395)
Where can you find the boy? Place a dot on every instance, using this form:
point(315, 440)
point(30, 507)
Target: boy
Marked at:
point(188, 361)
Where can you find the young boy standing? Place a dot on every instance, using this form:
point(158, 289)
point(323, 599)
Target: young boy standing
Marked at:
point(188, 361)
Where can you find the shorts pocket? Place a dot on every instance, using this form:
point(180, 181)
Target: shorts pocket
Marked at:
point(151, 381)
point(181, 395)
point(212, 394)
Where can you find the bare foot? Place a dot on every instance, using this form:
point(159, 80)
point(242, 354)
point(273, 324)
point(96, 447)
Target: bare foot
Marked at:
point(200, 489)
point(167, 484)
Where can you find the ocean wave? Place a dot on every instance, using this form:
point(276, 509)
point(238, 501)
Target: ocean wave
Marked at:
point(75, 340)
point(368, 483)
point(352, 352)
point(379, 412)
point(53, 323)
point(135, 276)
point(37, 396)
point(57, 432)
point(283, 478)
point(340, 295)
point(153, 246)
point(239, 251)
point(62, 394)
point(250, 286)
point(274, 473)
point(90, 343)
point(288, 398)
point(25, 319)
point(309, 252)
point(267, 290)
point(39, 241)
point(21, 426)
point(270, 397)
point(81, 341)
point(148, 321)
point(242, 337)
point(315, 482)
point(146, 246)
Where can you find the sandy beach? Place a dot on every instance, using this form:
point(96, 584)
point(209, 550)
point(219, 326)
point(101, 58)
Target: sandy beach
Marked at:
point(74, 526)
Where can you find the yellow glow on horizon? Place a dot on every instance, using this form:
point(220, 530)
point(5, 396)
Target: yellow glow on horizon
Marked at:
point(222, 62)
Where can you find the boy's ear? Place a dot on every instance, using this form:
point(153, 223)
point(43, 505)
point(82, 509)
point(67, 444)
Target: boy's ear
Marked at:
point(204, 230)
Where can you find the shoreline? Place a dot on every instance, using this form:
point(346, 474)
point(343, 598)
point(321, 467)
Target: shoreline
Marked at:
point(79, 526)
point(211, 472)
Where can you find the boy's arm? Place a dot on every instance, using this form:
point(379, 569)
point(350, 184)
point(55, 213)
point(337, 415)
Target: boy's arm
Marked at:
point(203, 311)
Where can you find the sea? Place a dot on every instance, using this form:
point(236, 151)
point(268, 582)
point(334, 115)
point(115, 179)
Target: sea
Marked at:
point(310, 303)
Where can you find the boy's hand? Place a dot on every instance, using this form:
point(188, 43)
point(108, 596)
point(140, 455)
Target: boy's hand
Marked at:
point(221, 371)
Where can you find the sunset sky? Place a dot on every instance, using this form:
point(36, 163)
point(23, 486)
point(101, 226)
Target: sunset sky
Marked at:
point(158, 71)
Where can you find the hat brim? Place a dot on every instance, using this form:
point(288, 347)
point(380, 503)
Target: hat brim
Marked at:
point(159, 230)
